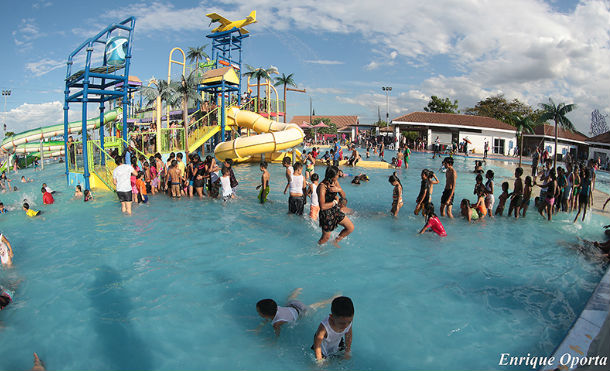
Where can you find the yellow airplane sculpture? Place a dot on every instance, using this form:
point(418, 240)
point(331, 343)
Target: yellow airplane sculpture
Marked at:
point(226, 25)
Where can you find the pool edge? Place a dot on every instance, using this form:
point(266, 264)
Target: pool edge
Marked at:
point(586, 327)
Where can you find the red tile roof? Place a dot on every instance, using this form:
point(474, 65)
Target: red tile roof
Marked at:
point(339, 121)
point(549, 131)
point(454, 119)
point(602, 138)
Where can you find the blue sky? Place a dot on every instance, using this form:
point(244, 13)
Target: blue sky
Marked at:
point(341, 52)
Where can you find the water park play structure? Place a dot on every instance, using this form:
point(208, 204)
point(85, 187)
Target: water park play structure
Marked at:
point(245, 130)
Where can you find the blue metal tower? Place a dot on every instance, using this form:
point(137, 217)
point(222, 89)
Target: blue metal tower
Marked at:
point(97, 84)
point(226, 47)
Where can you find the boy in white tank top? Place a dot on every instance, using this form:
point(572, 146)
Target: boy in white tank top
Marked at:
point(294, 309)
point(314, 208)
point(335, 333)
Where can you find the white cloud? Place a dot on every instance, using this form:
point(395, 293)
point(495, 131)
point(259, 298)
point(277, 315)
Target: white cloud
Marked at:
point(43, 66)
point(372, 66)
point(26, 32)
point(523, 48)
point(41, 4)
point(28, 116)
point(326, 91)
point(323, 61)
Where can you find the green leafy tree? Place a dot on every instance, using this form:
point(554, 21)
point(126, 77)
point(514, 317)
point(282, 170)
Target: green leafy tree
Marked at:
point(524, 125)
point(557, 113)
point(258, 74)
point(196, 54)
point(330, 129)
point(185, 92)
point(499, 108)
point(9, 134)
point(441, 105)
point(286, 81)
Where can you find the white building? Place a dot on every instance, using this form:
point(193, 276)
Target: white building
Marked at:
point(572, 142)
point(453, 128)
point(599, 147)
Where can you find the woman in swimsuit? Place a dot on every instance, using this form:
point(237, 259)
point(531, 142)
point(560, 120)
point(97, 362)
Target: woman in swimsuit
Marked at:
point(489, 192)
point(468, 212)
point(330, 212)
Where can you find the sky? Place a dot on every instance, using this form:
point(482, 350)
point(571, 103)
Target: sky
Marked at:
point(341, 52)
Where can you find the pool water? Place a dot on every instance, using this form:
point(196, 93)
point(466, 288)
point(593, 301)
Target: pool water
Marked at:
point(174, 286)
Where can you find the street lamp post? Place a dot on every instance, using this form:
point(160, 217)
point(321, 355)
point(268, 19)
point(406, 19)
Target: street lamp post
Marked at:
point(5, 94)
point(387, 90)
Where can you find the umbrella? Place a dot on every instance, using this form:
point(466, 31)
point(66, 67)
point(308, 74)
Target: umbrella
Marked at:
point(321, 125)
point(304, 125)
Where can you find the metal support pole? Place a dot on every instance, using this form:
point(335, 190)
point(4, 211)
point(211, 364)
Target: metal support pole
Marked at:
point(41, 154)
point(102, 158)
point(84, 117)
point(223, 112)
point(66, 153)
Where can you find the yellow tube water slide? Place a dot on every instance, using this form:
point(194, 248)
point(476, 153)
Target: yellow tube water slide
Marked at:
point(277, 136)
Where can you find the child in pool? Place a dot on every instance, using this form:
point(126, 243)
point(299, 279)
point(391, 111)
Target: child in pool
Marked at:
point(24, 180)
point(478, 185)
point(489, 192)
point(6, 251)
point(517, 195)
point(294, 309)
point(503, 197)
point(480, 205)
point(433, 222)
point(225, 181)
point(396, 195)
point(527, 195)
point(585, 191)
point(141, 186)
point(334, 334)
point(3, 210)
point(47, 198)
point(6, 297)
point(312, 191)
point(88, 196)
point(29, 212)
point(468, 212)
point(48, 188)
point(424, 193)
point(78, 193)
point(264, 186)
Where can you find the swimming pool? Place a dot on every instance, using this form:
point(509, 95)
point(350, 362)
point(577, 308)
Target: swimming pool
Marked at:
point(174, 286)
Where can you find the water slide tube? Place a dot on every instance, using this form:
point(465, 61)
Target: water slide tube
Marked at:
point(277, 136)
point(10, 144)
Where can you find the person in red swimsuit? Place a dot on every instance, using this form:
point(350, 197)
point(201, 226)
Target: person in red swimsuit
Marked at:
point(433, 222)
point(47, 198)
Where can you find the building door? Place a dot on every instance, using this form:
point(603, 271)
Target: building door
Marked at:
point(498, 146)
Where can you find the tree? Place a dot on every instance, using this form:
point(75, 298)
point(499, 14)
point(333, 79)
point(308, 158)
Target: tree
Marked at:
point(195, 54)
point(524, 124)
point(598, 123)
point(557, 113)
point(441, 105)
point(158, 88)
point(258, 74)
point(185, 92)
point(499, 108)
point(331, 129)
point(9, 134)
point(286, 81)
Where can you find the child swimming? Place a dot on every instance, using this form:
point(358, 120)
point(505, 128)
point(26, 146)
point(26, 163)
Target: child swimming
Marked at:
point(433, 222)
point(29, 212)
point(88, 196)
point(6, 251)
point(396, 194)
point(334, 334)
point(47, 198)
point(78, 192)
point(517, 195)
point(423, 198)
point(503, 197)
point(289, 314)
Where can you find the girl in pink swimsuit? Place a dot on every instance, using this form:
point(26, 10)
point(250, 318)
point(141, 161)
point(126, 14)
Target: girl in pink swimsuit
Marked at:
point(433, 222)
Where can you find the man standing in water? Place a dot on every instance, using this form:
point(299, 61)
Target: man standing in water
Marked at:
point(121, 177)
point(449, 192)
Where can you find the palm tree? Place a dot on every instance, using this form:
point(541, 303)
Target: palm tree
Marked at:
point(259, 73)
point(195, 54)
point(286, 81)
point(185, 92)
point(158, 88)
point(524, 124)
point(557, 113)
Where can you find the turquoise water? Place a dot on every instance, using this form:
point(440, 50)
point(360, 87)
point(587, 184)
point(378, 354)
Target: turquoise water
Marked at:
point(174, 286)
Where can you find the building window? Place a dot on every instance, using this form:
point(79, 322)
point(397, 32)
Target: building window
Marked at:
point(499, 146)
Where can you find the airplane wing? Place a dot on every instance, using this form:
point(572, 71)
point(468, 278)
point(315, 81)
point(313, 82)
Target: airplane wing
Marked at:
point(243, 31)
point(218, 18)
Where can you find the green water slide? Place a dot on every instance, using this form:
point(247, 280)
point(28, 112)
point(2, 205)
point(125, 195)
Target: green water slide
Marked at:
point(31, 138)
